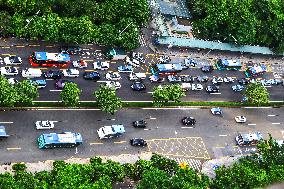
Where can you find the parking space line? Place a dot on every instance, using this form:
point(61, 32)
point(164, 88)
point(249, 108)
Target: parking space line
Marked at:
point(94, 143)
point(120, 142)
point(9, 149)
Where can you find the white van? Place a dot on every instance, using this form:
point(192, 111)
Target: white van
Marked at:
point(31, 73)
point(137, 76)
point(133, 62)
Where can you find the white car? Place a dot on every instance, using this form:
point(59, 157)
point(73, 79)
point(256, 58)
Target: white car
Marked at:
point(113, 84)
point(12, 81)
point(196, 87)
point(132, 62)
point(229, 80)
point(71, 73)
point(101, 65)
point(113, 76)
point(9, 70)
point(12, 60)
point(240, 119)
point(137, 76)
point(111, 131)
point(45, 124)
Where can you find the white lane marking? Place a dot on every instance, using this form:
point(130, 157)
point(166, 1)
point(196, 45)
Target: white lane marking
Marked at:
point(181, 108)
point(187, 127)
point(152, 118)
point(101, 81)
point(146, 129)
point(223, 135)
point(94, 143)
point(73, 109)
point(216, 93)
point(257, 107)
point(119, 142)
point(150, 92)
point(251, 124)
point(6, 122)
point(275, 123)
point(267, 86)
point(277, 101)
point(271, 115)
point(49, 79)
point(55, 90)
point(14, 149)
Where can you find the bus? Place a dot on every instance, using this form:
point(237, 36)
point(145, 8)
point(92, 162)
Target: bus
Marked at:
point(62, 140)
point(256, 70)
point(225, 64)
point(166, 69)
point(46, 59)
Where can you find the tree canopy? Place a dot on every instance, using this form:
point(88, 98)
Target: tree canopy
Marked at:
point(256, 93)
point(257, 22)
point(70, 94)
point(75, 21)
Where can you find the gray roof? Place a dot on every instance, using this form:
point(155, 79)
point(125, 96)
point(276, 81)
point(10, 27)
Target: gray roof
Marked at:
point(174, 8)
point(202, 44)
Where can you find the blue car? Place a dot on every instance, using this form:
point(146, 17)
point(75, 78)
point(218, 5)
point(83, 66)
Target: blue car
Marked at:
point(216, 111)
point(127, 68)
point(39, 83)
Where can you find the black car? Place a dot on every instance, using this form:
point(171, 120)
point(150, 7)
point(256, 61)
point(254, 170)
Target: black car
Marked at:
point(72, 50)
point(139, 124)
point(207, 68)
point(188, 121)
point(212, 89)
point(91, 76)
point(202, 78)
point(53, 74)
point(138, 142)
point(187, 79)
point(138, 86)
point(243, 81)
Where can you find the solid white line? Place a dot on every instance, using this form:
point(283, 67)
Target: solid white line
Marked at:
point(275, 123)
point(251, 124)
point(256, 107)
point(150, 92)
point(181, 108)
point(14, 149)
point(216, 93)
point(187, 127)
point(223, 135)
point(277, 101)
point(55, 90)
point(271, 115)
point(7, 122)
point(138, 101)
point(73, 109)
point(46, 101)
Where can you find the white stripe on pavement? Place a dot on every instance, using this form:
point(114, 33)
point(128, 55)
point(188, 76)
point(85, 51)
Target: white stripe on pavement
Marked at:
point(55, 90)
point(216, 93)
point(275, 123)
point(271, 115)
point(251, 124)
point(223, 135)
point(179, 108)
point(6, 122)
point(187, 127)
point(69, 109)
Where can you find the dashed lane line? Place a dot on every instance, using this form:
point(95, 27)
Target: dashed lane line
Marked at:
point(275, 123)
point(9, 149)
point(20, 46)
point(34, 45)
point(6, 122)
point(251, 124)
point(119, 142)
point(95, 143)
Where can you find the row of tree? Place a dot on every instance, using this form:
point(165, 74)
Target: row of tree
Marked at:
point(111, 22)
point(257, 22)
point(259, 170)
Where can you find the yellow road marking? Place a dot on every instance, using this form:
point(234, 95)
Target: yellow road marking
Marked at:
point(19, 46)
point(94, 143)
point(49, 45)
point(14, 149)
point(120, 142)
point(5, 55)
point(35, 45)
point(6, 47)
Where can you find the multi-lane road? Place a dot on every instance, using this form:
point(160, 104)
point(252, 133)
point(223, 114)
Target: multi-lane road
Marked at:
point(94, 53)
point(212, 136)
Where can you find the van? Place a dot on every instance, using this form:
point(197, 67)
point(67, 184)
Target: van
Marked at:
point(31, 73)
point(137, 76)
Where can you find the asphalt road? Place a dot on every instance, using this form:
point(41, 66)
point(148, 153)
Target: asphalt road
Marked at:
point(93, 53)
point(212, 136)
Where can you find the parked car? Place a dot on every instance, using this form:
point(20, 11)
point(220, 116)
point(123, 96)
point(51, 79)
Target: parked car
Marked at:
point(72, 50)
point(216, 111)
point(138, 86)
point(196, 87)
point(229, 80)
point(12, 81)
point(31, 72)
point(52, 74)
point(276, 81)
point(45, 124)
point(212, 89)
point(189, 62)
point(217, 80)
point(95, 76)
point(101, 65)
point(71, 73)
point(59, 84)
point(174, 79)
point(113, 76)
point(249, 139)
point(186, 79)
point(164, 59)
point(133, 62)
point(9, 70)
point(186, 86)
point(12, 60)
point(137, 76)
point(139, 124)
point(138, 56)
point(127, 68)
point(207, 68)
point(238, 88)
point(39, 83)
point(138, 142)
point(111, 131)
point(240, 119)
point(79, 64)
point(266, 82)
point(202, 78)
point(243, 81)
point(113, 84)
point(188, 121)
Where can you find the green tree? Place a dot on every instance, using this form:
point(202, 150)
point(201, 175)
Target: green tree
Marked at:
point(107, 99)
point(8, 93)
point(5, 24)
point(27, 92)
point(256, 93)
point(162, 95)
point(70, 94)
